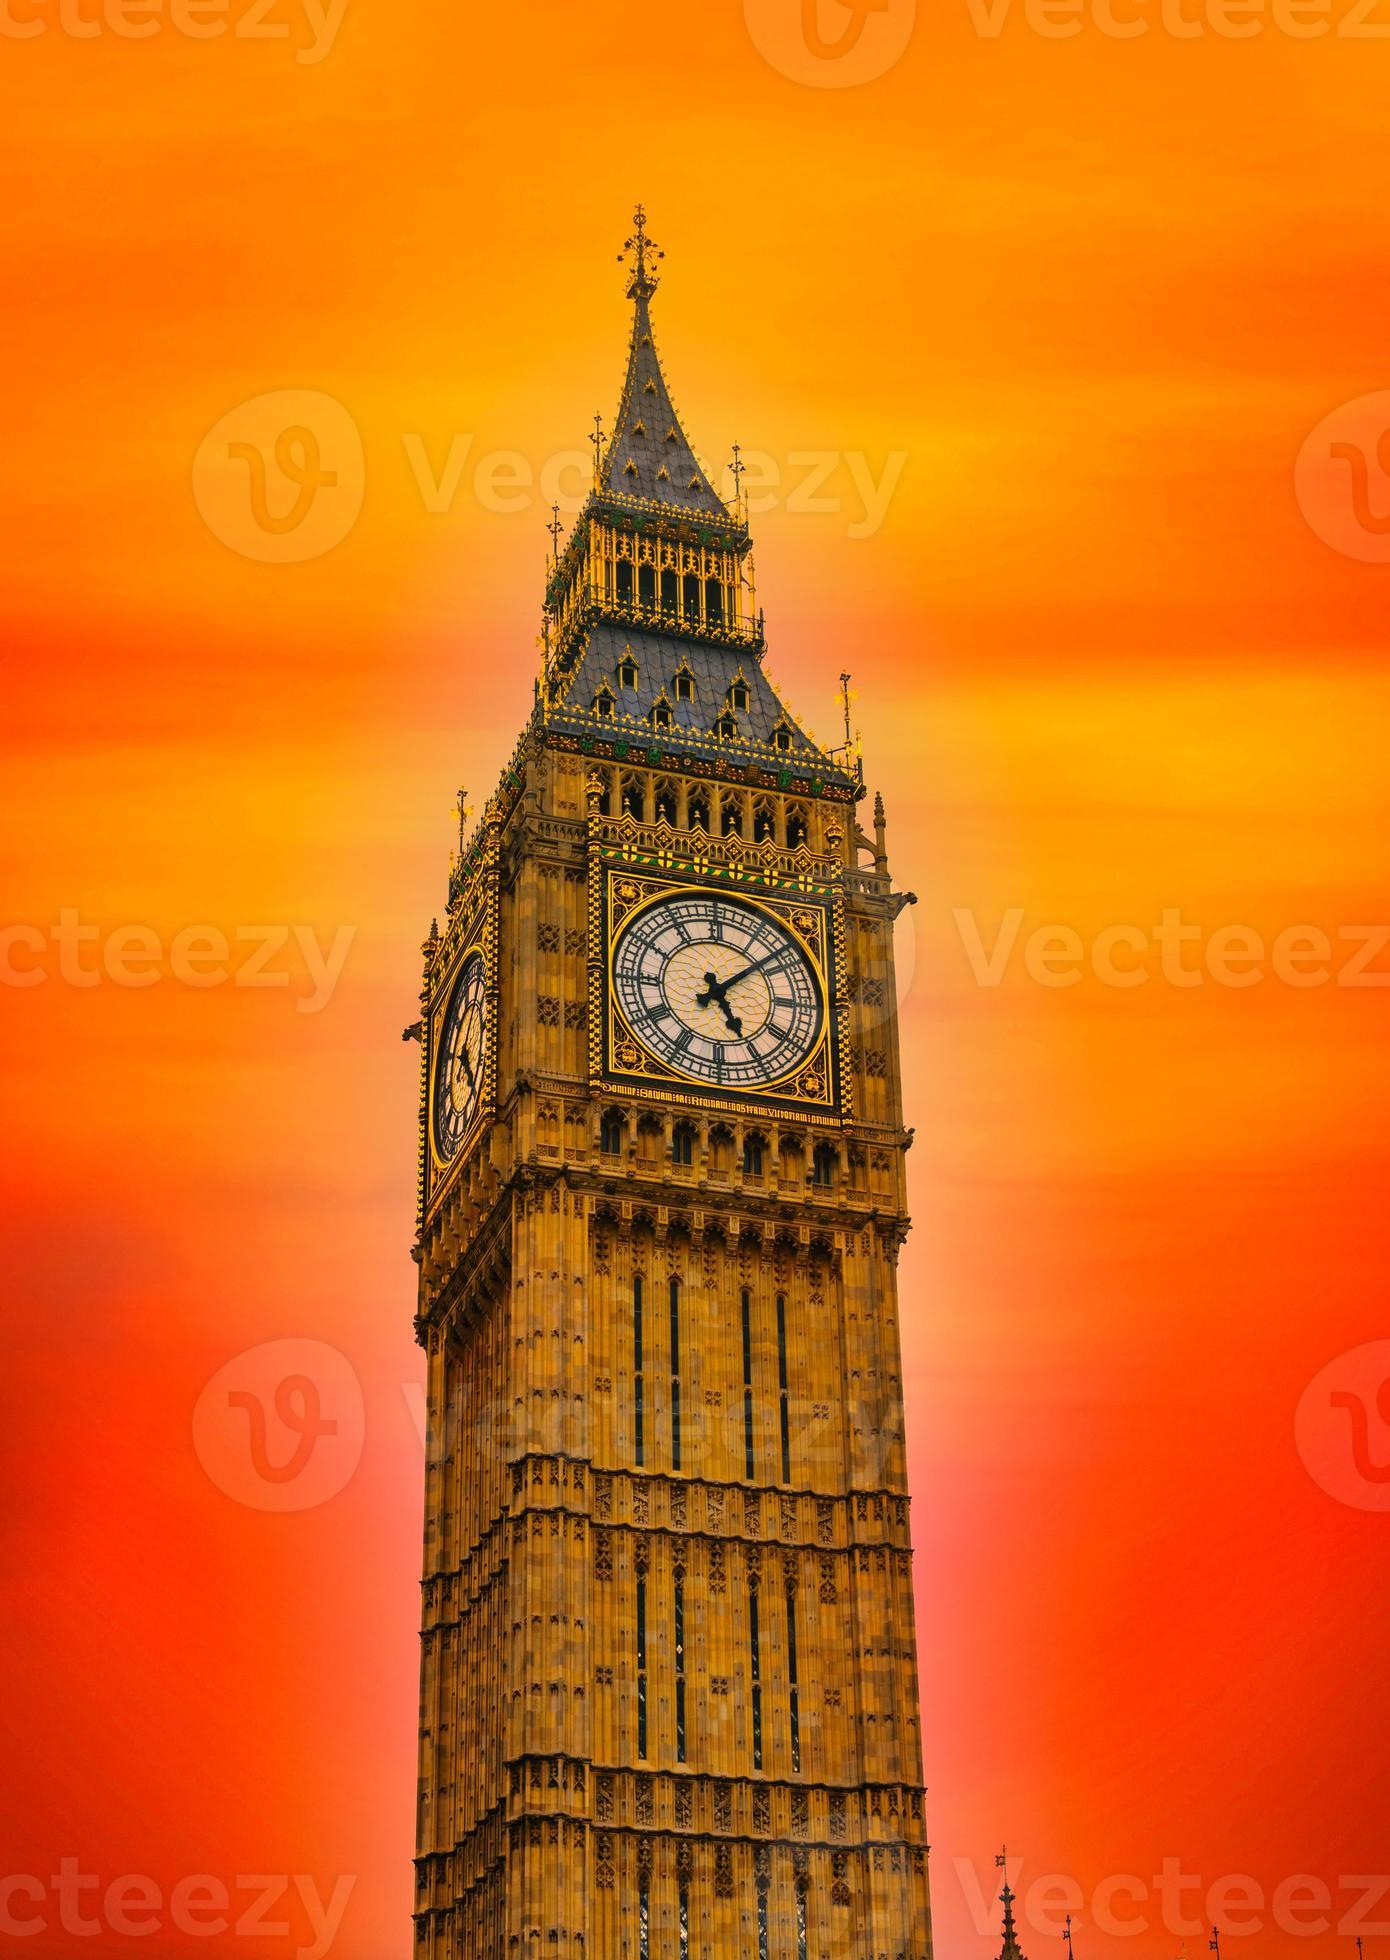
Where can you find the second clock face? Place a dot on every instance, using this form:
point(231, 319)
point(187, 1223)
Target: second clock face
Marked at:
point(458, 1081)
point(717, 990)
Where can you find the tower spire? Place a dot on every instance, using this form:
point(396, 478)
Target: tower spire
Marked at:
point(636, 249)
point(650, 459)
point(1010, 1949)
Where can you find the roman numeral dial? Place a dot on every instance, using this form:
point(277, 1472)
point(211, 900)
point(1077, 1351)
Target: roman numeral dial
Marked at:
point(717, 990)
point(458, 1078)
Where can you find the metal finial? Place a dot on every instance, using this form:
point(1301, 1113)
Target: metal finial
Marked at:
point(636, 249)
point(554, 527)
point(597, 440)
point(1215, 1943)
point(1067, 1937)
point(462, 807)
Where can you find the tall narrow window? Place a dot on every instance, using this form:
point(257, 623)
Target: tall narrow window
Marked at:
point(637, 1409)
point(747, 1384)
point(755, 1659)
point(684, 1921)
point(675, 1374)
point(644, 1918)
point(783, 1409)
point(642, 1667)
point(795, 1694)
point(762, 1922)
point(679, 1617)
point(800, 1922)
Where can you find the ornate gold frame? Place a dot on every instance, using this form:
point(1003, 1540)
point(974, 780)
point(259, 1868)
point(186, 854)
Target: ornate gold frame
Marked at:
point(617, 1054)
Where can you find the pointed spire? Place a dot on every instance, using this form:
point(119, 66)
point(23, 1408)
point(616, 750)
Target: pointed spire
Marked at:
point(650, 458)
point(1010, 1949)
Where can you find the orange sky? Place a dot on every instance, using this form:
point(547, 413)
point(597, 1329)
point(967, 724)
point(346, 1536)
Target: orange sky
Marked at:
point(1092, 294)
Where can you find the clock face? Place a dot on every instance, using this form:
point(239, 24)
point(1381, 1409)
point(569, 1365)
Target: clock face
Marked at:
point(458, 1080)
point(717, 990)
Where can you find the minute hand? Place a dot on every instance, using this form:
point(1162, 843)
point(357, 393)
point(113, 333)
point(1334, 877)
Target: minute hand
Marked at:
point(743, 972)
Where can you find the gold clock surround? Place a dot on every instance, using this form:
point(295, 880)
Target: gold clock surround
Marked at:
point(618, 1053)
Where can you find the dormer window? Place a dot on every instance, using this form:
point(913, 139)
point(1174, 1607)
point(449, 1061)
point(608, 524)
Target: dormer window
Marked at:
point(685, 685)
point(671, 436)
point(663, 474)
point(603, 704)
point(738, 697)
point(631, 468)
point(661, 715)
point(727, 727)
point(650, 388)
point(781, 737)
point(627, 673)
point(639, 427)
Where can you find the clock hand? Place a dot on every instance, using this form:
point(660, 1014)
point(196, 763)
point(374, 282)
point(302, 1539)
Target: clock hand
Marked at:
point(715, 991)
point(743, 973)
point(468, 1070)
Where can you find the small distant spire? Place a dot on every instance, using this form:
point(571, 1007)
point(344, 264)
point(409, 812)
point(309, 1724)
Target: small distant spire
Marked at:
point(1067, 1937)
point(1215, 1943)
point(636, 250)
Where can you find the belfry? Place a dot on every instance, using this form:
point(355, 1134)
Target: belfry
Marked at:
point(669, 1698)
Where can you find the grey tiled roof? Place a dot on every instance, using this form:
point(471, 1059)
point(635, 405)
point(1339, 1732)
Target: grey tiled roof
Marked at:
point(659, 657)
point(647, 436)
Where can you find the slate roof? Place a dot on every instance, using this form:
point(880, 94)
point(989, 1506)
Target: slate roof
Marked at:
point(659, 657)
point(649, 455)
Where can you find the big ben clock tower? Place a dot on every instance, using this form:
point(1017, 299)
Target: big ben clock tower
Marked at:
point(669, 1699)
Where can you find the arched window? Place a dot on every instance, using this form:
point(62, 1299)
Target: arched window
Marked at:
point(731, 818)
point(753, 1154)
point(797, 827)
point(634, 798)
point(646, 585)
point(691, 595)
point(624, 582)
point(670, 592)
point(697, 811)
point(610, 1133)
point(823, 1163)
point(683, 1143)
point(714, 602)
point(764, 823)
point(665, 803)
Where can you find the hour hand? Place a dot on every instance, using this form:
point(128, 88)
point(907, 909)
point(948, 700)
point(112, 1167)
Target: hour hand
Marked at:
point(716, 991)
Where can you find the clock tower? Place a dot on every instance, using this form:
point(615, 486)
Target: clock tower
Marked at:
point(669, 1698)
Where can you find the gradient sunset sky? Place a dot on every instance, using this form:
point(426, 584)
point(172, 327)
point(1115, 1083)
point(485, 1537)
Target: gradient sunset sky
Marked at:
point(1083, 299)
